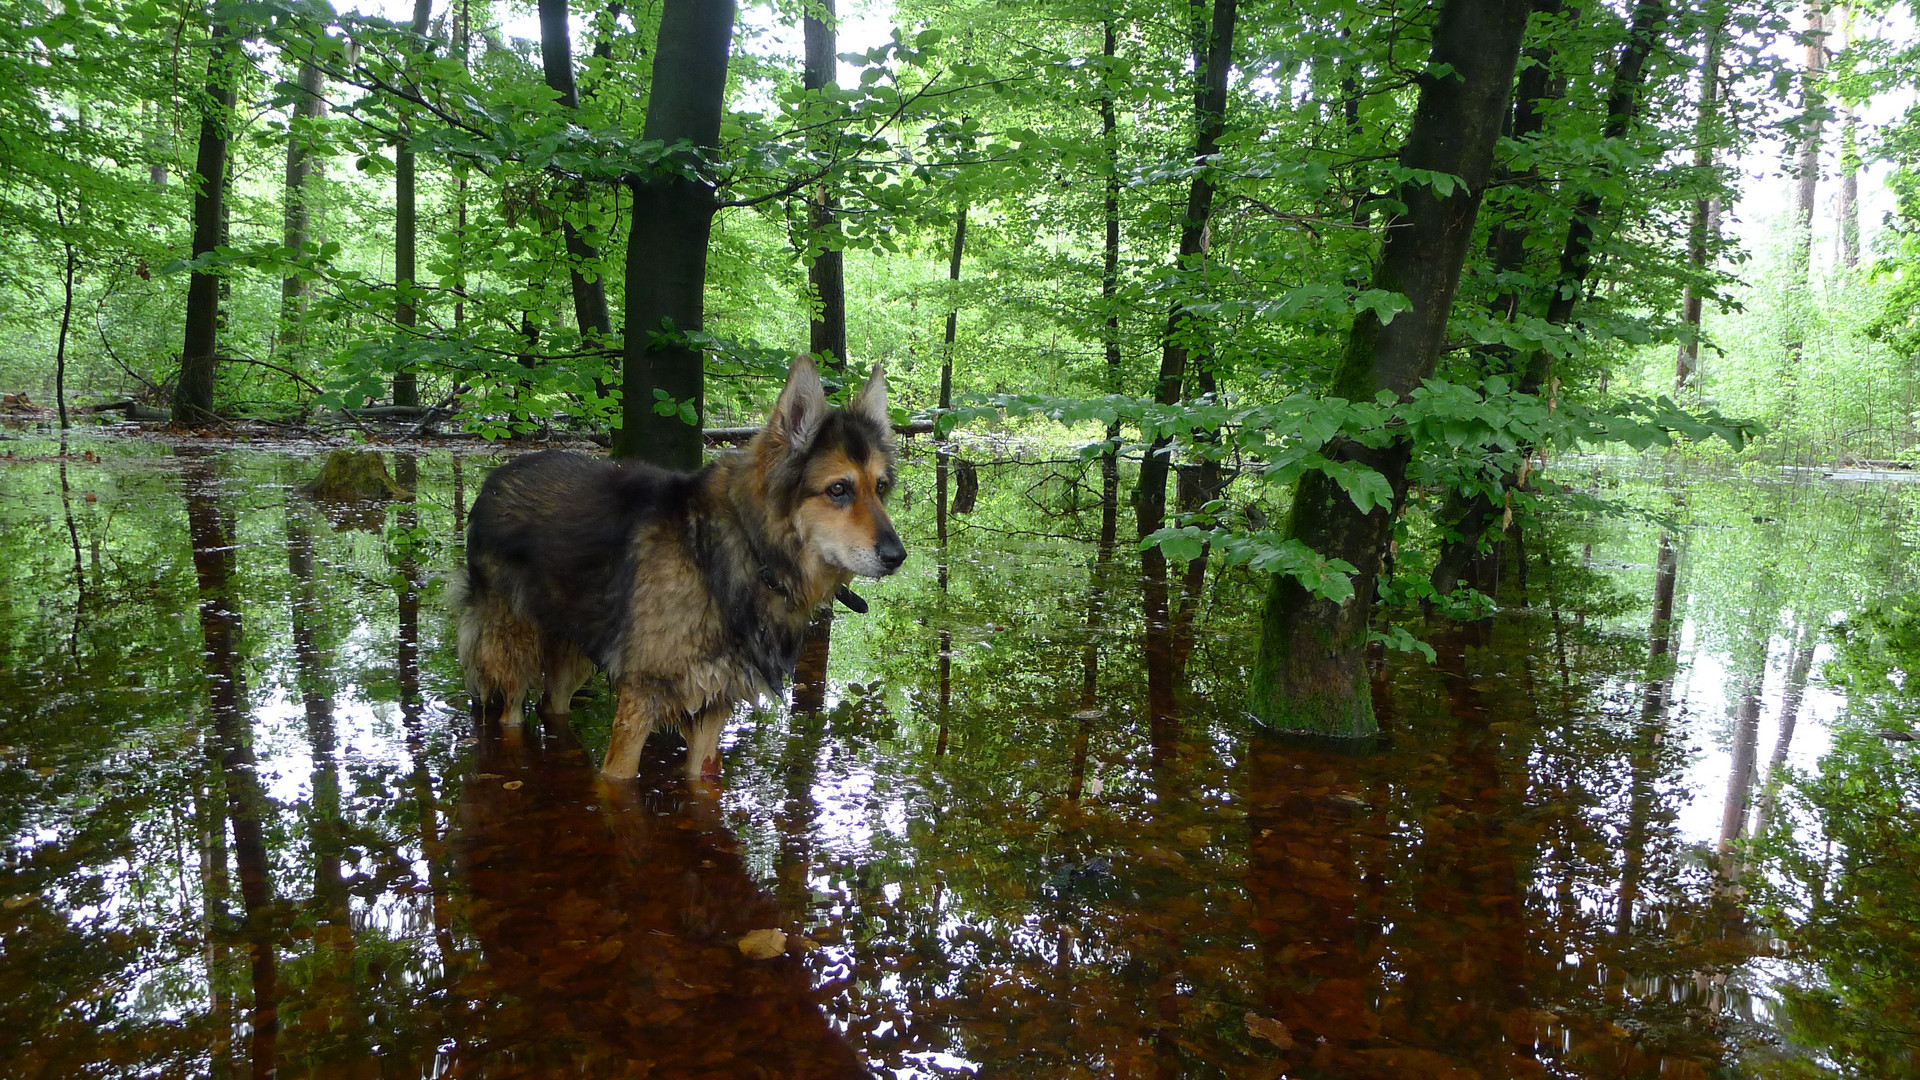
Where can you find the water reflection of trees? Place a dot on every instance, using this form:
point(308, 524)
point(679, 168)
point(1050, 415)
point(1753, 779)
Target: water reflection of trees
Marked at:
point(1019, 832)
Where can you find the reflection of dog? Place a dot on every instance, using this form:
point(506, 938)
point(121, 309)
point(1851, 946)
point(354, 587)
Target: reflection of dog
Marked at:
point(692, 591)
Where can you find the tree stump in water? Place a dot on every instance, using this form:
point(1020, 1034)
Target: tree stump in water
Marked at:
point(355, 487)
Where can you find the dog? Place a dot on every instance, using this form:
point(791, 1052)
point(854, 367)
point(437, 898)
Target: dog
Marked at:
point(691, 590)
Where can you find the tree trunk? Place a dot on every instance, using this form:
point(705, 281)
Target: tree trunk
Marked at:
point(1212, 60)
point(1700, 235)
point(953, 314)
point(826, 275)
point(1110, 300)
point(66, 322)
point(672, 217)
point(308, 107)
point(1461, 554)
point(199, 356)
point(589, 296)
point(1807, 160)
point(1309, 673)
point(1465, 518)
point(1848, 210)
point(405, 235)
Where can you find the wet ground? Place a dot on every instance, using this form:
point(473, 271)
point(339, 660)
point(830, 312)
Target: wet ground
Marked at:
point(1004, 826)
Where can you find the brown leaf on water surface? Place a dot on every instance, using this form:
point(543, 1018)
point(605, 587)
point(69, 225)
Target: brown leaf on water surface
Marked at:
point(1275, 1032)
point(763, 944)
point(514, 785)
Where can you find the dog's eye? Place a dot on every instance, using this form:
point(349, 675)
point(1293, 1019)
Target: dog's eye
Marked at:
point(882, 486)
point(839, 489)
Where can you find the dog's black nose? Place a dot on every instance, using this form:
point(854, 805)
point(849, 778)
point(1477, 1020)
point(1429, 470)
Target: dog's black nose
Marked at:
point(892, 553)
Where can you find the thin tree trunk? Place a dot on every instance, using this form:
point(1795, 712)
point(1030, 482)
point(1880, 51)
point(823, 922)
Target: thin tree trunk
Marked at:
point(826, 274)
point(1704, 226)
point(1213, 59)
point(1848, 210)
point(1465, 518)
point(953, 313)
point(1110, 298)
point(1807, 160)
point(1309, 673)
point(1576, 263)
point(66, 317)
point(672, 218)
point(199, 355)
point(589, 295)
point(302, 165)
point(405, 235)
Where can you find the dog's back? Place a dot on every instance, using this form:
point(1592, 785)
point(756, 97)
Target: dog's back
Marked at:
point(552, 535)
point(550, 564)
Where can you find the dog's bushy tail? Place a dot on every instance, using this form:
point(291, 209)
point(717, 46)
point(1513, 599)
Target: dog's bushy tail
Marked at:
point(460, 605)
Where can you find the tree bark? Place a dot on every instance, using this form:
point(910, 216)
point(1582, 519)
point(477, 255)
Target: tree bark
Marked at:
point(1213, 59)
point(1110, 296)
point(308, 107)
point(672, 218)
point(590, 311)
point(1309, 672)
point(1700, 234)
point(1848, 210)
point(66, 323)
point(1807, 160)
point(405, 236)
point(1460, 553)
point(826, 274)
point(1464, 516)
point(199, 356)
point(953, 313)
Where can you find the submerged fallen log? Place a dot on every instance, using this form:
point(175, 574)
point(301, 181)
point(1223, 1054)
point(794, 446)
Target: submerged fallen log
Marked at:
point(134, 410)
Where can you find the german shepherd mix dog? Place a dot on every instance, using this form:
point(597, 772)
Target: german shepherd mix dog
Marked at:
point(692, 591)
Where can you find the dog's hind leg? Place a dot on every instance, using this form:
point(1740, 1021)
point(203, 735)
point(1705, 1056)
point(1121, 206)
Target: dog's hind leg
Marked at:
point(633, 715)
point(567, 670)
point(703, 743)
point(501, 654)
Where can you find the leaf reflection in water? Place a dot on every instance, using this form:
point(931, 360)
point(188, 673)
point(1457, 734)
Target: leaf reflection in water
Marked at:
point(1010, 824)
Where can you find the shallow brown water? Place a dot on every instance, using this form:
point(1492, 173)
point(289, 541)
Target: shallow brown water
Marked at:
point(1010, 829)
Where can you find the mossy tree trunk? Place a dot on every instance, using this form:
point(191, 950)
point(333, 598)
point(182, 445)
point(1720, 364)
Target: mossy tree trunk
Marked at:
point(1309, 671)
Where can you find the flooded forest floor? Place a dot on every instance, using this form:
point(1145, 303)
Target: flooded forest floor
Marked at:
point(1655, 818)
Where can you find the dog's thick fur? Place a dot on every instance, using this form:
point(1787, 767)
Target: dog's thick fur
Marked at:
point(691, 590)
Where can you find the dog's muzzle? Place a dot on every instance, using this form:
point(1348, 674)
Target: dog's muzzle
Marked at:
point(891, 552)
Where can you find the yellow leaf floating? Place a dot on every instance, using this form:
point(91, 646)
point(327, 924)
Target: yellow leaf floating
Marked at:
point(763, 944)
point(513, 785)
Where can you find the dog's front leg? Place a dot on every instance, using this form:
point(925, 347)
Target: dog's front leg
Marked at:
point(632, 722)
point(703, 744)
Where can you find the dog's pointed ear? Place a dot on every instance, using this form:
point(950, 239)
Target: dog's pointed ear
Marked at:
point(801, 406)
point(871, 402)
